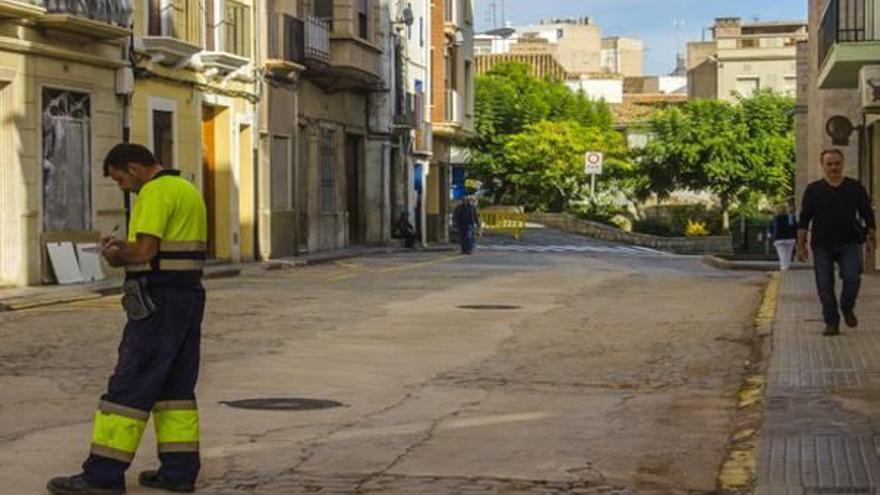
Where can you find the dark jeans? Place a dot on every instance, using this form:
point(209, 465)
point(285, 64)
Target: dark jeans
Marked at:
point(468, 239)
point(849, 259)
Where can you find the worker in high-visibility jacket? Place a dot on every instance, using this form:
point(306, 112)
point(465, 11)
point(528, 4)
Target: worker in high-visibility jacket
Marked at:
point(158, 359)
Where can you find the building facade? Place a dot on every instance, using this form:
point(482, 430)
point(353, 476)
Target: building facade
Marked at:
point(743, 58)
point(452, 107)
point(194, 106)
point(624, 56)
point(309, 125)
point(840, 66)
point(62, 110)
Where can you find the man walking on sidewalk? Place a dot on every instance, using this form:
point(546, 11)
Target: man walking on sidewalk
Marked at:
point(838, 213)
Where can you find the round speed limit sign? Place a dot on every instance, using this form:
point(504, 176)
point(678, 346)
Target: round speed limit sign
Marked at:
point(593, 163)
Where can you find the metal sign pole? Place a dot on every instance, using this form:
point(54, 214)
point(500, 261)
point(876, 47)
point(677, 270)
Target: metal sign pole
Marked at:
point(593, 185)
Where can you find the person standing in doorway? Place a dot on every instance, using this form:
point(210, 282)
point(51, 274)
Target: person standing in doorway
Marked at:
point(158, 362)
point(467, 221)
point(783, 231)
point(837, 212)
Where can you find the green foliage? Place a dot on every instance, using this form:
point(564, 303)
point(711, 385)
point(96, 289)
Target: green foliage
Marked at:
point(531, 136)
point(739, 151)
point(672, 220)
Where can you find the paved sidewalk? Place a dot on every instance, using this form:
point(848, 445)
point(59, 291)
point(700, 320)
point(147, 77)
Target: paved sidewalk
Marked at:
point(18, 298)
point(821, 432)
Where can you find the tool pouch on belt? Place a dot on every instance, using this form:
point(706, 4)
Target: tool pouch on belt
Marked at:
point(136, 299)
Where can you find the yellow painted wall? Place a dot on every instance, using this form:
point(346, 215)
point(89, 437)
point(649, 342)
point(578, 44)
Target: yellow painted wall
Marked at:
point(246, 196)
point(188, 123)
point(222, 183)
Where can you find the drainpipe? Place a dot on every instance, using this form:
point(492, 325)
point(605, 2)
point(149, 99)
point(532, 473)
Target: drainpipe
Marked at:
point(128, 53)
point(256, 131)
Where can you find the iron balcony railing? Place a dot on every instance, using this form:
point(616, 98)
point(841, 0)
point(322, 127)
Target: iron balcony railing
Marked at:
point(848, 21)
point(287, 39)
point(116, 12)
point(317, 38)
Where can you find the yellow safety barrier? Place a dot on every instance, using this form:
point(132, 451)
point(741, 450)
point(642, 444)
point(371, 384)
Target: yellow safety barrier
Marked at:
point(504, 221)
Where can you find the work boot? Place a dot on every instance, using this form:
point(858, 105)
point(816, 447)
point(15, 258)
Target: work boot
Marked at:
point(831, 330)
point(851, 320)
point(152, 479)
point(77, 485)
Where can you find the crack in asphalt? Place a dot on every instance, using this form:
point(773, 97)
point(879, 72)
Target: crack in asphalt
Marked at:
point(428, 435)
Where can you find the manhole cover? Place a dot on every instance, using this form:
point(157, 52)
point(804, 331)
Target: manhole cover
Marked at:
point(276, 404)
point(496, 307)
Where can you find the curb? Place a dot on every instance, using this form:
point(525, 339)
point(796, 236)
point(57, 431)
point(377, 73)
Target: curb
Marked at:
point(291, 263)
point(759, 266)
point(110, 287)
point(738, 472)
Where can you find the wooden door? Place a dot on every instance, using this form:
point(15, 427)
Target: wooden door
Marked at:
point(209, 176)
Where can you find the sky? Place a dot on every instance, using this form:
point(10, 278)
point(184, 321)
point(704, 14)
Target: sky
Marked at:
point(653, 21)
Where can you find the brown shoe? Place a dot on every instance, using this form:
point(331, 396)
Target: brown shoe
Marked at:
point(831, 330)
point(850, 319)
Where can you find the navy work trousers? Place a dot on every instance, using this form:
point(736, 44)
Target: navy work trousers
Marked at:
point(158, 361)
point(849, 259)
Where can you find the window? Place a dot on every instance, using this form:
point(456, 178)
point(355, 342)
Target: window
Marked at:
point(363, 24)
point(409, 26)
point(468, 78)
point(237, 29)
point(154, 17)
point(280, 163)
point(323, 9)
point(328, 171)
point(747, 86)
point(421, 31)
point(163, 137)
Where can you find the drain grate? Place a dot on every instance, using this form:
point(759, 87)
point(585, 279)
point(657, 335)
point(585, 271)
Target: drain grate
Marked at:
point(280, 404)
point(495, 307)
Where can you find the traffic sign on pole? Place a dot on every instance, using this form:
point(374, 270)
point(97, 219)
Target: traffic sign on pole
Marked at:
point(593, 162)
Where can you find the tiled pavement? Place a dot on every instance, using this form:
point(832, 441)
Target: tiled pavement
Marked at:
point(821, 430)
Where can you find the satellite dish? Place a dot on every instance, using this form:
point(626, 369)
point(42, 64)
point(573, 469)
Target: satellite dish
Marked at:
point(840, 129)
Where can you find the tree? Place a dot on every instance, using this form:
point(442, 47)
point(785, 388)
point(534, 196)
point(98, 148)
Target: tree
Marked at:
point(515, 110)
point(739, 151)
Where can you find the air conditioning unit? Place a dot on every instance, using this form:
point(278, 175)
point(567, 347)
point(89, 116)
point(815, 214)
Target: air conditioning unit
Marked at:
point(869, 85)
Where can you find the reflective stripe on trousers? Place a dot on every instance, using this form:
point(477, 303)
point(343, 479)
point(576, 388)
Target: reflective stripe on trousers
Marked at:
point(117, 431)
point(177, 426)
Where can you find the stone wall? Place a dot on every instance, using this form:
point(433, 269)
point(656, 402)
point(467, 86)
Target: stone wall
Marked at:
point(678, 245)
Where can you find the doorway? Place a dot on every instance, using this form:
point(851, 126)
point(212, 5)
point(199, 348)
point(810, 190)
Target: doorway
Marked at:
point(209, 174)
point(66, 160)
point(353, 153)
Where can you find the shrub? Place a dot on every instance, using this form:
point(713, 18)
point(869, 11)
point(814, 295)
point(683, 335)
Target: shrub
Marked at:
point(696, 229)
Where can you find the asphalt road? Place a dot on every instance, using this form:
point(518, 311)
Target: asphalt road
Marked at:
point(555, 364)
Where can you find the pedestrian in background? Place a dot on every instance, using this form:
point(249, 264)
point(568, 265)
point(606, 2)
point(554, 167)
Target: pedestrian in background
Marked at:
point(837, 213)
point(467, 220)
point(783, 231)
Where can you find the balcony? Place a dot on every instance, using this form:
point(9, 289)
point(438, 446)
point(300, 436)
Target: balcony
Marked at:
point(317, 41)
point(236, 39)
point(174, 32)
point(13, 9)
point(423, 143)
point(287, 52)
point(849, 38)
point(340, 62)
point(405, 114)
point(101, 19)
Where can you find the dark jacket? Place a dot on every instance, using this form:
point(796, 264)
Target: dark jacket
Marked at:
point(466, 216)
